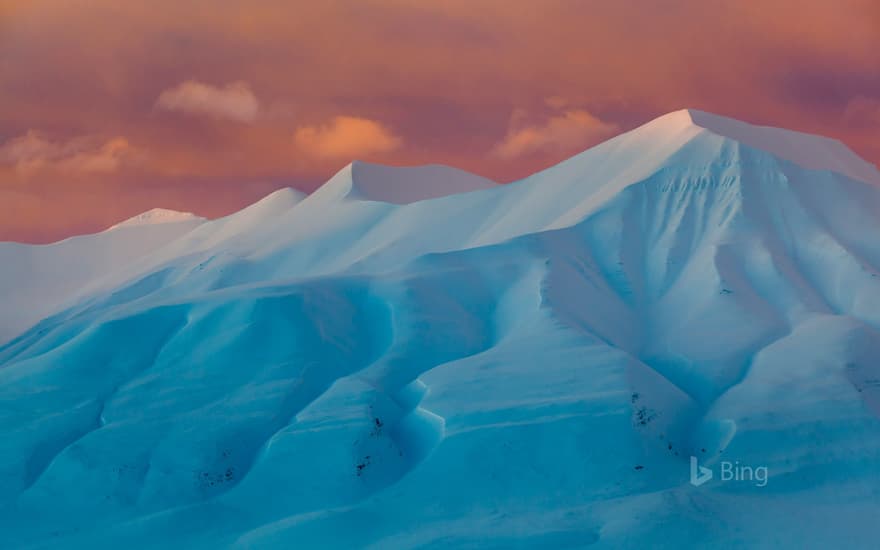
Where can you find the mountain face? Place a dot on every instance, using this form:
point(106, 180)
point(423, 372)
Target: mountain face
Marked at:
point(418, 357)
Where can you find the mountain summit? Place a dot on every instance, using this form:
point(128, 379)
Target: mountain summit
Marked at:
point(414, 355)
point(158, 215)
point(399, 185)
point(807, 150)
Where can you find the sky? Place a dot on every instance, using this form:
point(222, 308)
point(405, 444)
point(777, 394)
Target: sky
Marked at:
point(109, 108)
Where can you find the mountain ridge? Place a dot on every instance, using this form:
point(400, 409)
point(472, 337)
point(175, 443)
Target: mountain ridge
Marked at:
point(157, 216)
point(365, 181)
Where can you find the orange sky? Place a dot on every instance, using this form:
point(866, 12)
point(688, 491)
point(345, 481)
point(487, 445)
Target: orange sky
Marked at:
point(109, 107)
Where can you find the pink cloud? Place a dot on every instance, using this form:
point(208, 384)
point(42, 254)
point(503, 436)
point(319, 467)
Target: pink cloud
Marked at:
point(346, 137)
point(32, 152)
point(234, 101)
point(571, 130)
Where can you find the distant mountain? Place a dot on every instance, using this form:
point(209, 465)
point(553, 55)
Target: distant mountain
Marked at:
point(418, 357)
point(156, 216)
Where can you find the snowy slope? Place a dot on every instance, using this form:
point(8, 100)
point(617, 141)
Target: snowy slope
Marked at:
point(36, 280)
point(418, 358)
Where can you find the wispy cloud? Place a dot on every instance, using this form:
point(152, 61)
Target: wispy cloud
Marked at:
point(33, 151)
point(346, 137)
point(233, 101)
point(570, 130)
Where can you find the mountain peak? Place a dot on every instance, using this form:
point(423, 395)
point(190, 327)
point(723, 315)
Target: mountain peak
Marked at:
point(158, 216)
point(365, 181)
point(280, 199)
point(810, 151)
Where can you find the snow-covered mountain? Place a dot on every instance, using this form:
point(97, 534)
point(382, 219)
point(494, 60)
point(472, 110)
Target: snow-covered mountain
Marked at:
point(37, 280)
point(417, 357)
point(158, 216)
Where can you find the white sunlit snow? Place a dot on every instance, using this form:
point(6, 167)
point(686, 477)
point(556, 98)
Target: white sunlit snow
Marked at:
point(417, 357)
